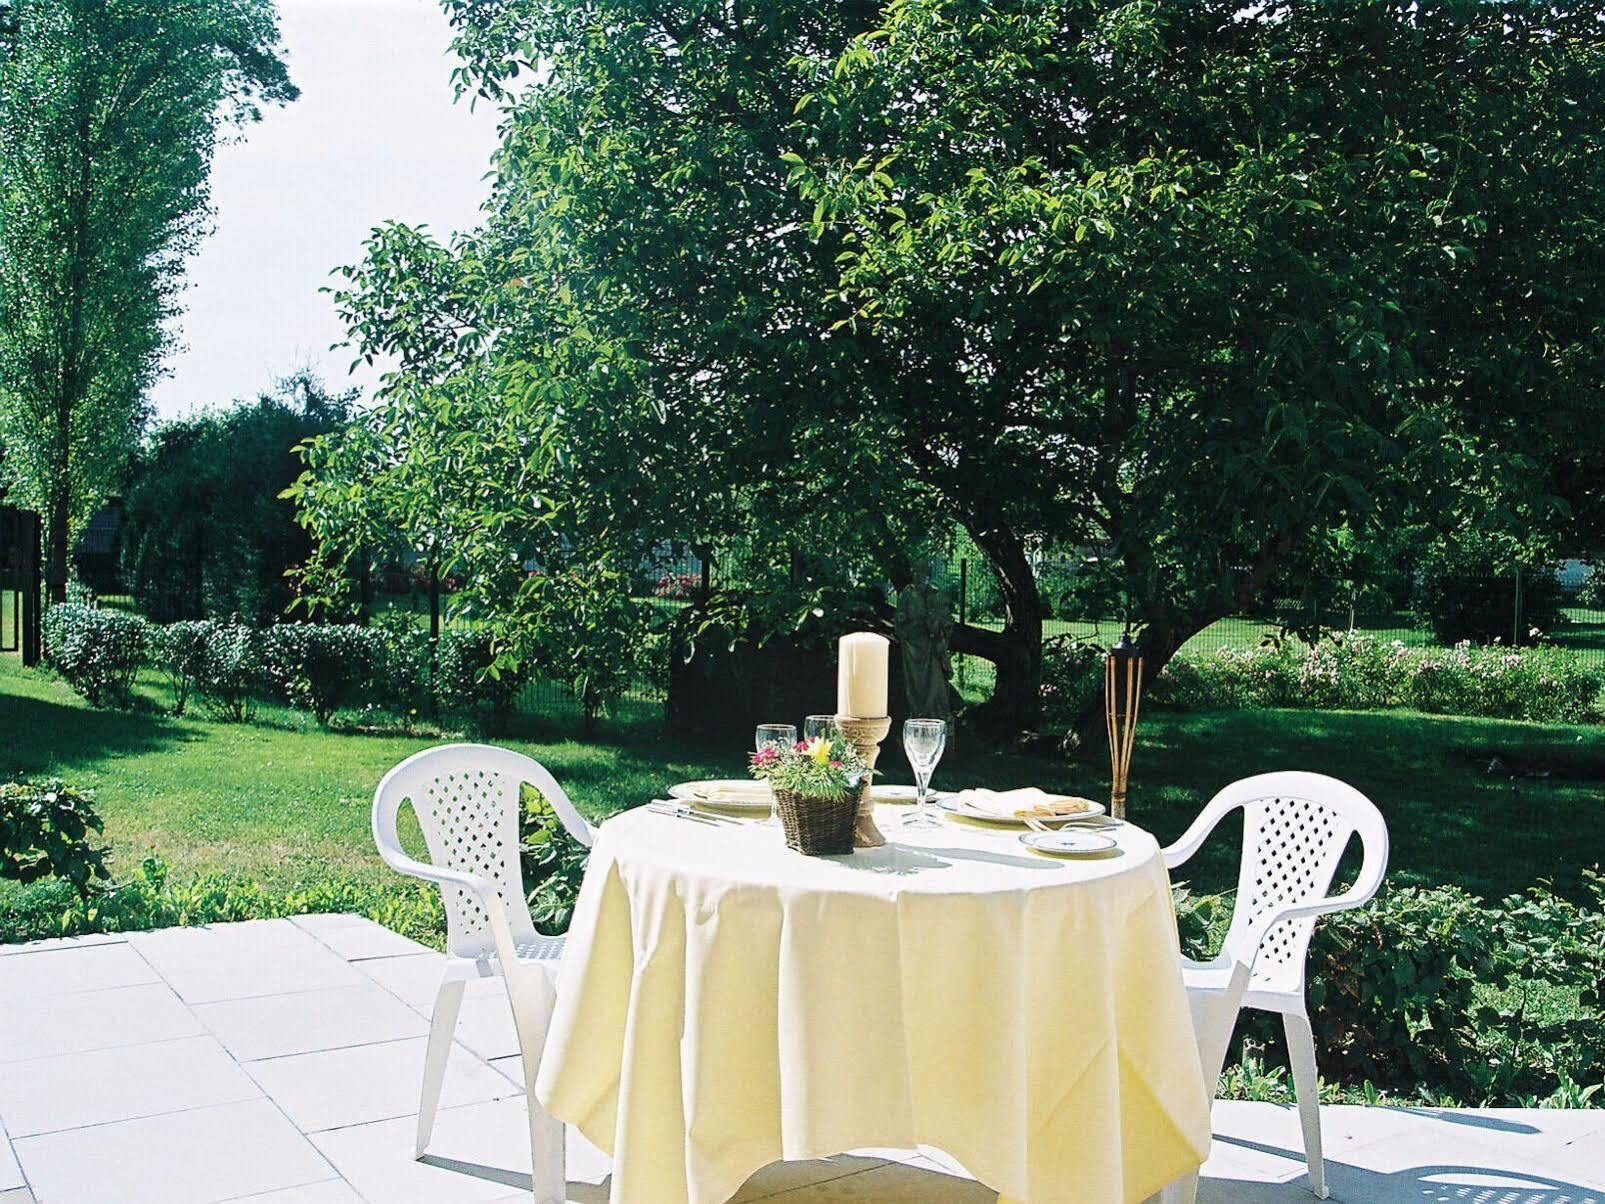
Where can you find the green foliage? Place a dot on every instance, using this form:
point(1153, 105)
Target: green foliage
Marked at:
point(1361, 672)
point(1394, 987)
point(1468, 591)
point(152, 899)
point(110, 111)
point(45, 831)
point(468, 675)
point(230, 675)
point(205, 532)
point(97, 651)
point(182, 649)
point(1429, 994)
point(320, 667)
point(404, 672)
point(553, 863)
point(1072, 680)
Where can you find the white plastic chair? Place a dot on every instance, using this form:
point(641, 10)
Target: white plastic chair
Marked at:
point(466, 798)
point(1295, 829)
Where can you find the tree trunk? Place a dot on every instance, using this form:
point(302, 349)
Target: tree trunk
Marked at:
point(434, 602)
point(1016, 704)
point(57, 536)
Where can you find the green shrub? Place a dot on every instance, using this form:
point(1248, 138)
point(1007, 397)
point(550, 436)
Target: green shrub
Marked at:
point(181, 649)
point(45, 832)
point(468, 678)
point(1358, 672)
point(553, 863)
point(320, 667)
point(1072, 676)
point(231, 672)
point(1393, 987)
point(1470, 592)
point(97, 651)
point(401, 679)
point(151, 899)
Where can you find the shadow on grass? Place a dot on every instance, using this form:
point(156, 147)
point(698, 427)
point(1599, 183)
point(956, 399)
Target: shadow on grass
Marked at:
point(39, 737)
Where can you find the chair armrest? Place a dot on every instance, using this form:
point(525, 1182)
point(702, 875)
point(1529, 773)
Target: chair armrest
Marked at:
point(1189, 841)
point(482, 889)
point(438, 874)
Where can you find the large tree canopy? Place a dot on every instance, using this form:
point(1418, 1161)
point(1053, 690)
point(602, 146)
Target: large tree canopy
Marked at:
point(1198, 287)
point(109, 113)
point(205, 531)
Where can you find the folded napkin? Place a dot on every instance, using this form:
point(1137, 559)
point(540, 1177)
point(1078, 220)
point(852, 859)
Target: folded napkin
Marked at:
point(1029, 801)
point(737, 792)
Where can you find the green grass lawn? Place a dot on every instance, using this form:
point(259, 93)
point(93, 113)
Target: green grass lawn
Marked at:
point(282, 801)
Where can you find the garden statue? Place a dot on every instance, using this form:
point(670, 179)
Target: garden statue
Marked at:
point(924, 625)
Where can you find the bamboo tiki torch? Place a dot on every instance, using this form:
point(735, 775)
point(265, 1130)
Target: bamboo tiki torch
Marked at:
point(1122, 696)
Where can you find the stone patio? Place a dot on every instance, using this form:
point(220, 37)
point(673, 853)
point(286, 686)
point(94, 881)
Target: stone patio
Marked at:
point(278, 1061)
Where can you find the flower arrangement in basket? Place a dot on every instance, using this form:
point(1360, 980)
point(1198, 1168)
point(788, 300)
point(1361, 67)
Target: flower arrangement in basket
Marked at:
point(816, 791)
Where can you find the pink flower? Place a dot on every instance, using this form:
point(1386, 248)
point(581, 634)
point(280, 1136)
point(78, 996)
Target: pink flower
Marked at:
point(835, 764)
point(800, 746)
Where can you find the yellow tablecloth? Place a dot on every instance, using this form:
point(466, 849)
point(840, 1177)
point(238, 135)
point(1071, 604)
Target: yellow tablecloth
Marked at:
point(725, 1002)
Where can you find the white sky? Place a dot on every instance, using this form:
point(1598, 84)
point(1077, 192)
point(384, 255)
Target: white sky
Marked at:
point(375, 135)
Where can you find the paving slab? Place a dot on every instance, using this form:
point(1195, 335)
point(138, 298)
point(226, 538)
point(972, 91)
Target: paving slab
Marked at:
point(60, 971)
point(367, 940)
point(364, 1083)
point(269, 961)
point(201, 1156)
point(43, 1026)
point(76, 1090)
point(10, 1171)
point(274, 1026)
point(279, 1061)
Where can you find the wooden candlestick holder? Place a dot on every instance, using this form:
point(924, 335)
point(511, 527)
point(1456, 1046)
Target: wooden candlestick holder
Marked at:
point(866, 735)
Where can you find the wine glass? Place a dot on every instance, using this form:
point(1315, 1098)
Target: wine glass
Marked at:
point(923, 742)
point(818, 725)
point(778, 735)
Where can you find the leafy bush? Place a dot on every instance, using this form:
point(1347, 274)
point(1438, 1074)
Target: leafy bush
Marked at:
point(97, 651)
point(553, 863)
point(677, 585)
point(182, 648)
point(1072, 676)
point(44, 831)
point(1469, 593)
point(1430, 995)
point(320, 667)
point(467, 676)
point(1394, 986)
point(151, 899)
point(1546, 685)
point(231, 671)
point(401, 675)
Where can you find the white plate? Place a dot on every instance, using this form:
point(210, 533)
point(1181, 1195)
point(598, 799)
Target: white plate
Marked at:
point(958, 806)
point(1067, 842)
point(698, 792)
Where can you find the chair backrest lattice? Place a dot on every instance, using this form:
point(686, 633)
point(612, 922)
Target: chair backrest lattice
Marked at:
point(1296, 827)
point(468, 801)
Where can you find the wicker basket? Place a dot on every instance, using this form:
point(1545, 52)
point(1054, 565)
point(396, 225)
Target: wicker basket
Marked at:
point(817, 827)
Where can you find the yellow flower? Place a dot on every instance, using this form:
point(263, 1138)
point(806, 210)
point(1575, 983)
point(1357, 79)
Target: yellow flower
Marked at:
point(819, 750)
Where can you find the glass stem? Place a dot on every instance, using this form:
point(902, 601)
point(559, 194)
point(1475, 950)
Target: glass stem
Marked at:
point(921, 782)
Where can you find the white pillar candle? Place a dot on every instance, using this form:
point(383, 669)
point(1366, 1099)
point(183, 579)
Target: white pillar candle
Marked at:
point(861, 675)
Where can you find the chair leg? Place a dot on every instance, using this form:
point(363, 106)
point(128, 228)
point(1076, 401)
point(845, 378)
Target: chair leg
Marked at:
point(1301, 1053)
point(532, 1014)
point(441, 1027)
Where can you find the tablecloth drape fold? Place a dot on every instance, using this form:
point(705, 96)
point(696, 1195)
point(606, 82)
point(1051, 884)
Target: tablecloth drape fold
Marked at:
point(726, 1003)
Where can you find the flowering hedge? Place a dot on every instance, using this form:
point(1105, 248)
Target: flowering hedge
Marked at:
point(1361, 672)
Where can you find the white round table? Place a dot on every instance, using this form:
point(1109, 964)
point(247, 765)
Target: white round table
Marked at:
point(725, 1003)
